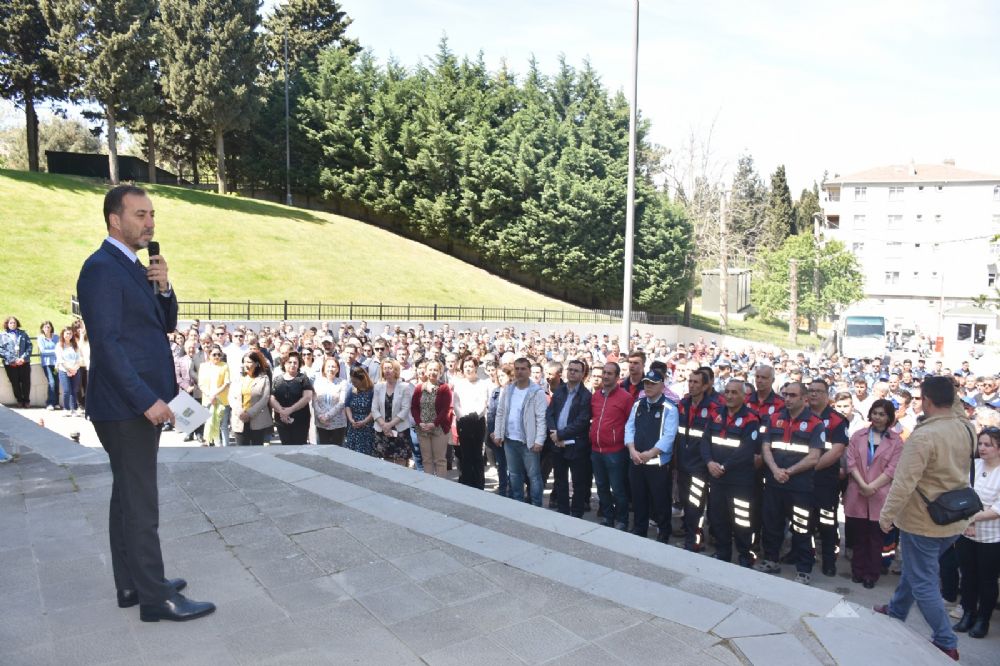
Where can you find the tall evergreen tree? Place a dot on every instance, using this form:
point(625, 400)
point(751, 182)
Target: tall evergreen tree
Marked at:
point(27, 73)
point(211, 54)
point(806, 207)
point(310, 26)
point(747, 205)
point(100, 47)
point(779, 217)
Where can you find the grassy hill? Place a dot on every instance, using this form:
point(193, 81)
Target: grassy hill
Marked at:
point(226, 248)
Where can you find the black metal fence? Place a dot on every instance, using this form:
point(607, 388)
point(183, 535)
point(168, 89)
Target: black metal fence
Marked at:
point(286, 310)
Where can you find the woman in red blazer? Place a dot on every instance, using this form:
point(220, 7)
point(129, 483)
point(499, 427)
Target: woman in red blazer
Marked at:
point(872, 455)
point(431, 409)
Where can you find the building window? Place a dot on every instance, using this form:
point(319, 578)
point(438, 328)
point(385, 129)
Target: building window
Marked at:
point(996, 193)
point(893, 250)
point(996, 222)
point(916, 275)
point(832, 221)
point(858, 248)
point(892, 277)
point(920, 218)
point(833, 194)
point(937, 218)
point(895, 194)
point(860, 193)
point(895, 222)
point(934, 275)
point(991, 279)
point(860, 223)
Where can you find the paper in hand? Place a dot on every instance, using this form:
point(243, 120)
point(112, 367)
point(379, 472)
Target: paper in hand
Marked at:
point(188, 413)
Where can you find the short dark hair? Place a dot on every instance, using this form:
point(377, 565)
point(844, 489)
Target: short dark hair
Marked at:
point(887, 407)
point(636, 354)
point(113, 200)
point(939, 390)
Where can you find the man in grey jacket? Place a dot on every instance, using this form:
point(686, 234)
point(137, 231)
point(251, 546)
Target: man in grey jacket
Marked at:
point(520, 429)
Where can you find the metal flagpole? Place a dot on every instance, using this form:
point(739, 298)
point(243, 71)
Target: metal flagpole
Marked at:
point(630, 201)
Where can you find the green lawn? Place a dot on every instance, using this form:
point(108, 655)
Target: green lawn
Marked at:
point(755, 329)
point(227, 248)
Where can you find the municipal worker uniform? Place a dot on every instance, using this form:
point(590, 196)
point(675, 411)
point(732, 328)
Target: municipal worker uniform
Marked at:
point(731, 440)
point(826, 489)
point(764, 409)
point(692, 474)
point(791, 440)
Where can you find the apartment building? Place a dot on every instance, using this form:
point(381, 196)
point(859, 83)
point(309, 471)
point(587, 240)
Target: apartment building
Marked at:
point(923, 234)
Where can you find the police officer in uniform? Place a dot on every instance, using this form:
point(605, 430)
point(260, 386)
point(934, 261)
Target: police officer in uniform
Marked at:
point(697, 409)
point(730, 444)
point(792, 446)
point(649, 437)
point(826, 477)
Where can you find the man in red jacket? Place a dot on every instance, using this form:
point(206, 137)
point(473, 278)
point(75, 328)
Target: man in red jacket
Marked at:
point(610, 408)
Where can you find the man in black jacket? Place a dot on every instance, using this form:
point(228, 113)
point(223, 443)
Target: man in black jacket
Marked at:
point(568, 423)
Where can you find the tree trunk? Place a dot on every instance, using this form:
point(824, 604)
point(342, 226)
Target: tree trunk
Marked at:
point(151, 149)
point(723, 272)
point(688, 305)
point(112, 145)
point(220, 159)
point(31, 126)
point(194, 161)
point(814, 317)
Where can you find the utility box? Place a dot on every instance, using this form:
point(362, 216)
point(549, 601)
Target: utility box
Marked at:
point(738, 290)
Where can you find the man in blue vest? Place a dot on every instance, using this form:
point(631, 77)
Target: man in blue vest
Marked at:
point(649, 437)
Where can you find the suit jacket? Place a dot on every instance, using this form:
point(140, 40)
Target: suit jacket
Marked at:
point(402, 397)
point(131, 366)
point(577, 425)
point(260, 413)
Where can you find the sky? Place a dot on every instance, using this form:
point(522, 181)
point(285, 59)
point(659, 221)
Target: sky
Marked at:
point(836, 87)
point(818, 87)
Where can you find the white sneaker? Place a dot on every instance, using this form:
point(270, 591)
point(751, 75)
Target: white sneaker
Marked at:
point(802, 577)
point(49, 408)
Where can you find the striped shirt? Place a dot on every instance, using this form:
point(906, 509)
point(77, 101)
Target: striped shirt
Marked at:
point(988, 489)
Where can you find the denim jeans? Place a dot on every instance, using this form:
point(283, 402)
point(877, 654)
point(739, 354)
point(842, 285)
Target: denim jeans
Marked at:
point(70, 387)
point(610, 473)
point(503, 480)
point(921, 582)
point(523, 463)
point(224, 425)
point(52, 377)
point(418, 462)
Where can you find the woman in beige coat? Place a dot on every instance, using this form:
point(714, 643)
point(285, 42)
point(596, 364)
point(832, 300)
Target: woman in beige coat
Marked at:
point(391, 409)
point(251, 420)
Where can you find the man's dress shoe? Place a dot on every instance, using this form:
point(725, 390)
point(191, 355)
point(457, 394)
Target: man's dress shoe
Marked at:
point(129, 598)
point(177, 608)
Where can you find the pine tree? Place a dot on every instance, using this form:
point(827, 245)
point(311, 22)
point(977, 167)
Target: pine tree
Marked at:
point(27, 73)
point(806, 207)
point(100, 48)
point(311, 27)
point(211, 54)
point(779, 217)
point(747, 206)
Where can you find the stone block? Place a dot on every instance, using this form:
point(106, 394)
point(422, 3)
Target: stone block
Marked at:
point(399, 602)
point(777, 650)
point(427, 564)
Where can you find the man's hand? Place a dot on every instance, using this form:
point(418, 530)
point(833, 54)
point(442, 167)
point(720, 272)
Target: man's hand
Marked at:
point(635, 456)
point(781, 475)
point(159, 413)
point(554, 436)
point(536, 448)
point(885, 526)
point(715, 469)
point(157, 272)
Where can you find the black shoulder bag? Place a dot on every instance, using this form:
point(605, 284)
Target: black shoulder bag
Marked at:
point(955, 505)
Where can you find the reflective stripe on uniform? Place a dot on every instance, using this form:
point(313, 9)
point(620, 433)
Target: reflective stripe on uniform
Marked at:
point(741, 523)
point(694, 432)
point(827, 517)
point(743, 504)
point(722, 441)
point(791, 448)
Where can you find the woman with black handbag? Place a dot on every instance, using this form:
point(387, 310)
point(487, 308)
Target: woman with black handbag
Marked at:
point(979, 546)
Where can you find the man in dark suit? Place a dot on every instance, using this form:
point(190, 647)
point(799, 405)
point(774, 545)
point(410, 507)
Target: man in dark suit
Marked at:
point(128, 310)
point(568, 423)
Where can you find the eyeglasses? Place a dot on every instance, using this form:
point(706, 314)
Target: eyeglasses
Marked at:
point(990, 430)
point(215, 355)
point(379, 348)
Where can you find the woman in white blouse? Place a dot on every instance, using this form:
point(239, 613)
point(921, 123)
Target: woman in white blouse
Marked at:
point(979, 546)
point(391, 409)
point(329, 395)
point(470, 396)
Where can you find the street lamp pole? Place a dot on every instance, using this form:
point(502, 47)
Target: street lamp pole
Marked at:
point(630, 199)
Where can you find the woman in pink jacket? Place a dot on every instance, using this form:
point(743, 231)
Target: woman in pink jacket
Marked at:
point(871, 462)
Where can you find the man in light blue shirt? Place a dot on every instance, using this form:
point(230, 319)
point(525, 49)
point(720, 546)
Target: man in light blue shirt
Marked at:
point(649, 437)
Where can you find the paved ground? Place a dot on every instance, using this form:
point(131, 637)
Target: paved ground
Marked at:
point(318, 555)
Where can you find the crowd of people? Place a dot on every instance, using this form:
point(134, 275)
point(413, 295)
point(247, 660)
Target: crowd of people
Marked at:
point(741, 445)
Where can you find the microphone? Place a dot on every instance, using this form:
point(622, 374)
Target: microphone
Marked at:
point(154, 250)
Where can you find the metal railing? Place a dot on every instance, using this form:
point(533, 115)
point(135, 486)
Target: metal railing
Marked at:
point(288, 310)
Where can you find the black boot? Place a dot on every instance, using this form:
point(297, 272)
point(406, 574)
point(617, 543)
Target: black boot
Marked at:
point(980, 628)
point(965, 623)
